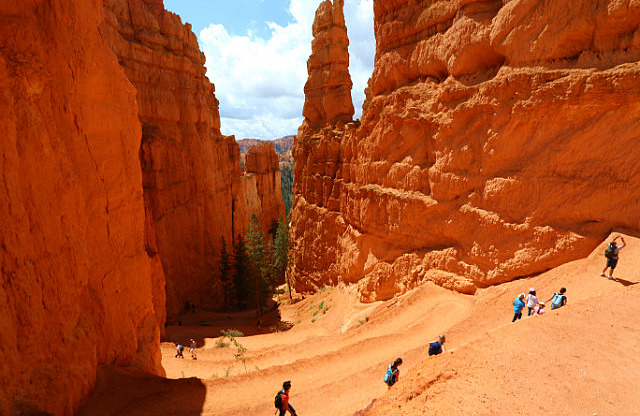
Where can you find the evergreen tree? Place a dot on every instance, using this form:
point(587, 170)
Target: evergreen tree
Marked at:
point(241, 272)
point(281, 251)
point(286, 184)
point(226, 277)
point(258, 262)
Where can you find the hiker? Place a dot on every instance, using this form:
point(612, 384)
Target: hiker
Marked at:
point(437, 347)
point(282, 400)
point(392, 375)
point(558, 299)
point(518, 304)
point(539, 310)
point(611, 253)
point(532, 300)
point(192, 350)
point(179, 351)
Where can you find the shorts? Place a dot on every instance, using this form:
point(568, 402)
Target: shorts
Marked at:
point(612, 263)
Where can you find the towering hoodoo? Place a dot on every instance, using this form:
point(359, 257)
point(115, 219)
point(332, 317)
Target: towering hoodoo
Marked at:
point(498, 139)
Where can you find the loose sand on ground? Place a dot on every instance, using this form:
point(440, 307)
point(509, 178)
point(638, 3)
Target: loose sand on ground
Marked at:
point(579, 360)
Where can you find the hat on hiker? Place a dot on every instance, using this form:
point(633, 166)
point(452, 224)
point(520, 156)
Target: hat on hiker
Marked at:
point(542, 304)
point(521, 295)
point(533, 289)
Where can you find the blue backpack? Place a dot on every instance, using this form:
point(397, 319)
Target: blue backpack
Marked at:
point(390, 376)
point(558, 300)
point(435, 348)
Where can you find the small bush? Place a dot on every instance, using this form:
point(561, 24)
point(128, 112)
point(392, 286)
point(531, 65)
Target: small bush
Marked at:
point(221, 344)
point(231, 333)
point(313, 320)
point(321, 305)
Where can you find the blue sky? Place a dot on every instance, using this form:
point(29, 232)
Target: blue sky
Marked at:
point(257, 53)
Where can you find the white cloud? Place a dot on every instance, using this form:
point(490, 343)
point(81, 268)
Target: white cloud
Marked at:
point(260, 82)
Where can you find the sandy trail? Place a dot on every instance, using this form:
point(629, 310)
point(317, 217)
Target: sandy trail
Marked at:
point(576, 360)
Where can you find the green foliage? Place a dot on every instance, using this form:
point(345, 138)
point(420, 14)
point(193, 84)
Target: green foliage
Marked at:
point(286, 181)
point(240, 353)
point(321, 305)
point(226, 278)
point(241, 273)
point(281, 251)
point(221, 344)
point(231, 333)
point(258, 255)
point(228, 370)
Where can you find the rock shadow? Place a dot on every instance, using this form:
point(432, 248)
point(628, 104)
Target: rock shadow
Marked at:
point(123, 391)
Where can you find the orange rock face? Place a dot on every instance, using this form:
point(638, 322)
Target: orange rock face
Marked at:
point(328, 89)
point(195, 192)
point(497, 141)
point(77, 286)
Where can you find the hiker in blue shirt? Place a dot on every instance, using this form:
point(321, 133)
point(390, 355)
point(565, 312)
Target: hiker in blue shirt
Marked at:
point(518, 304)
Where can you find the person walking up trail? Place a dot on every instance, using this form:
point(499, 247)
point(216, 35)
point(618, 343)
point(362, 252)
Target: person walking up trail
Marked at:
point(532, 300)
point(282, 400)
point(437, 347)
point(611, 253)
point(392, 375)
point(518, 304)
point(558, 299)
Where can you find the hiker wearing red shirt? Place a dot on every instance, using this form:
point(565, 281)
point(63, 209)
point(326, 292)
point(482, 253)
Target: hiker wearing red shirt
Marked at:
point(282, 400)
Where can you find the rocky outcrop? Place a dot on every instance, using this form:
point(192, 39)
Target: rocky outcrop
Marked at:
point(194, 190)
point(77, 286)
point(328, 89)
point(497, 141)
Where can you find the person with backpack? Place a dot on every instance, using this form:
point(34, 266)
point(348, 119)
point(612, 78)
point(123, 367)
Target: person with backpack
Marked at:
point(518, 304)
point(437, 346)
point(532, 300)
point(179, 351)
point(558, 300)
point(392, 375)
point(611, 253)
point(192, 350)
point(282, 400)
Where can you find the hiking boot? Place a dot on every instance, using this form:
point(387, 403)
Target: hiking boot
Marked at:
point(603, 275)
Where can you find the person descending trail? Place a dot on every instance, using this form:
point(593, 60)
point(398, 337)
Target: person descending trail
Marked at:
point(518, 304)
point(437, 347)
point(392, 375)
point(532, 300)
point(282, 400)
point(558, 299)
point(192, 350)
point(539, 310)
point(179, 351)
point(611, 253)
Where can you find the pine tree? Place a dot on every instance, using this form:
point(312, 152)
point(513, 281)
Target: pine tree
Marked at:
point(241, 272)
point(281, 251)
point(258, 262)
point(226, 278)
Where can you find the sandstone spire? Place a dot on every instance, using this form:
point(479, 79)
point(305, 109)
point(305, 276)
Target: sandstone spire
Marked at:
point(328, 89)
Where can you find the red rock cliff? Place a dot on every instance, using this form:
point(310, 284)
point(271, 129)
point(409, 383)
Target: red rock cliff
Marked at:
point(77, 286)
point(497, 140)
point(195, 193)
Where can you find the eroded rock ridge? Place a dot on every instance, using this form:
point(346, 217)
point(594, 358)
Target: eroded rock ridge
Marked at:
point(498, 140)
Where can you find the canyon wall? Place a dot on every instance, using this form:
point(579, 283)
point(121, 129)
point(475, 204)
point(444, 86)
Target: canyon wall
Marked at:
point(498, 140)
point(77, 286)
point(195, 193)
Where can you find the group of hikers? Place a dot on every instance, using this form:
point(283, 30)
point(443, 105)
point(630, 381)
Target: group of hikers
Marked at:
point(558, 300)
point(192, 350)
point(392, 375)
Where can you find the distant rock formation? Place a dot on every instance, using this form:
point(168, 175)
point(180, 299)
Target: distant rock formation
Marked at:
point(498, 140)
point(77, 287)
point(195, 193)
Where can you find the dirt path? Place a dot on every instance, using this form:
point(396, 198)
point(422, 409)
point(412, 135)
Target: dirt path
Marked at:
point(338, 349)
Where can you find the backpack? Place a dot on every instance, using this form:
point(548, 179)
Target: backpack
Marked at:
point(435, 348)
point(389, 376)
point(610, 252)
point(557, 299)
point(278, 400)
